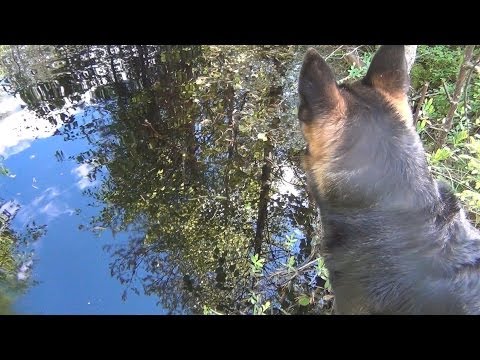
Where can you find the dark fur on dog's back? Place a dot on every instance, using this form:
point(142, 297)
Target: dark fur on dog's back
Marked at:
point(396, 241)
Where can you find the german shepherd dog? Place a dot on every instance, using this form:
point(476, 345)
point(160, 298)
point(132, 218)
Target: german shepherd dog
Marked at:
point(395, 240)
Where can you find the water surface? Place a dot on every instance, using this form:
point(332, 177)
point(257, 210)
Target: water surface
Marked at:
point(148, 177)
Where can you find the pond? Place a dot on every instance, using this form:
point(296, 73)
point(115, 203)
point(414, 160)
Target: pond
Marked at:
point(155, 180)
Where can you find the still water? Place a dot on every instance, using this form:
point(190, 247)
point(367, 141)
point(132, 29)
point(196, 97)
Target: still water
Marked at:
point(154, 180)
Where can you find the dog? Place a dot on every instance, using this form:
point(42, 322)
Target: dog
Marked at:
point(396, 241)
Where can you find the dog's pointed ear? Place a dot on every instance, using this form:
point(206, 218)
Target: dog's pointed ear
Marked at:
point(317, 88)
point(388, 70)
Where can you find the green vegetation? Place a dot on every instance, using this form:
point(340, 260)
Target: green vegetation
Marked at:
point(16, 258)
point(457, 160)
point(8, 269)
point(3, 51)
point(194, 146)
point(3, 170)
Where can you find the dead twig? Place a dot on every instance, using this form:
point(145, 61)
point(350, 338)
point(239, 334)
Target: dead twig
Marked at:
point(420, 103)
point(333, 52)
point(446, 91)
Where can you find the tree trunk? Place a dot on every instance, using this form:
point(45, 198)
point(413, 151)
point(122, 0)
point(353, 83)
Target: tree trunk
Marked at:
point(264, 196)
point(410, 54)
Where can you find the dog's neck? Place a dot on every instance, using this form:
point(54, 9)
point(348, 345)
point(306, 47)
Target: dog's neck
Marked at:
point(340, 221)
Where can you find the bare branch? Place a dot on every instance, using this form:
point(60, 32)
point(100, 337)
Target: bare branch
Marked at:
point(447, 125)
point(333, 52)
point(474, 65)
point(446, 91)
point(420, 103)
point(471, 67)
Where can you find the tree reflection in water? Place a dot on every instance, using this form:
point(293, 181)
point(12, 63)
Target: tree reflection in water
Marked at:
point(198, 150)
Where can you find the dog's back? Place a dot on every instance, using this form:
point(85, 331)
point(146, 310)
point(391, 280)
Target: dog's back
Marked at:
point(396, 241)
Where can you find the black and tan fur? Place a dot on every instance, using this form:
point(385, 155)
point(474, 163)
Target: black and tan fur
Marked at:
point(396, 241)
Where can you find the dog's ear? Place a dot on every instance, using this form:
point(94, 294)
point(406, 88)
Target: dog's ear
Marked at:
point(388, 70)
point(317, 88)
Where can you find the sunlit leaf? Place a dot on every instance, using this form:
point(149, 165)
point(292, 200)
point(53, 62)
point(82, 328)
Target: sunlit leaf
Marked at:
point(262, 136)
point(304, 300)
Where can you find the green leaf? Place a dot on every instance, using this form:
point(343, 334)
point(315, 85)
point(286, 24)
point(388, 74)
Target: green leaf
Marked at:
point(460, 137)
point(3, 170)
point(428, 107)
point(266, 306)
point(291, 261)
point(421, 125)
point(441, 155)
point(327, 285)
point(304, 300)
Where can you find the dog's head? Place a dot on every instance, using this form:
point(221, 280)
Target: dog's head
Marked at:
point(361, 143)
